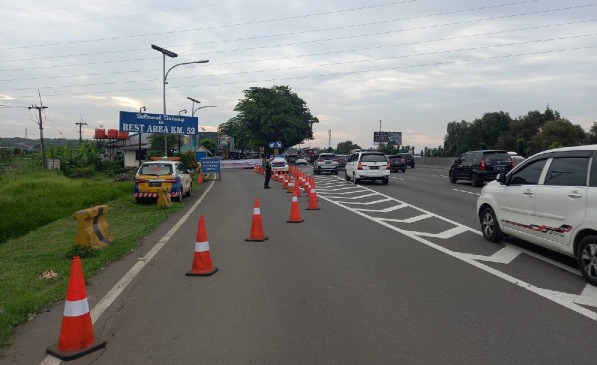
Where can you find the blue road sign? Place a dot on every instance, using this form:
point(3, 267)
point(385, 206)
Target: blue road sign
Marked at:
point(158, 123)
point(210, 164)
point(277, 144)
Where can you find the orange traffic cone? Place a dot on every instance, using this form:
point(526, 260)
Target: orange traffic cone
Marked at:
point(200, 178)
point(257, 234)
point(312, 200)
point(295, 210)
point(76, 334)
point(297, 189)
point(290, 186)
point(202, 258)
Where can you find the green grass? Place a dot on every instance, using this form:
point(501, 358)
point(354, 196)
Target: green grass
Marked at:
point(48, 202)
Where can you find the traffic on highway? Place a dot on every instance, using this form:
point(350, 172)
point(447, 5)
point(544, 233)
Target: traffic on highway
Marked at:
point(379, 273)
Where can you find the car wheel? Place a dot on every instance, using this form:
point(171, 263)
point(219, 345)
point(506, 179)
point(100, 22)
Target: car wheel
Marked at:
point(587, 258)
point(453, 178)
point(385, 181)
point(138, 200)
point(404, 170)
point(354, 178)
point(476, 181)
point(335, 172)
point(490, 226)
point(346, 177)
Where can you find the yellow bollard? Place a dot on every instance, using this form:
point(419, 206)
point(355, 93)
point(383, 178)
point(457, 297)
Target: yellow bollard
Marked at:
point(164, 200)
point(92, 227)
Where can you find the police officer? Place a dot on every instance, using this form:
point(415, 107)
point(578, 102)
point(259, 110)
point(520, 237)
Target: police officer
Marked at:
point(267, 165)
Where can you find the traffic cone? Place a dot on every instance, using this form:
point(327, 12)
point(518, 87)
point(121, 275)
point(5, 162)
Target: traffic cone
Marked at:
point(257, 234)
point(76, 334)
point(312, 200)
point(202, 258)
point(295, 210)
point(297, 189)
point(290, 187)
point(200, 178)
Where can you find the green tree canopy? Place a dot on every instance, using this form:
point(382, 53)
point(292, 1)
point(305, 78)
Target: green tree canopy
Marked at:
point(268, 115)
point(344, 148)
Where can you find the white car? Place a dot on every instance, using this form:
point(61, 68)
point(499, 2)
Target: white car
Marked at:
point(279, 164)
point(550, 200)
point(367, 165)
point(301, 160)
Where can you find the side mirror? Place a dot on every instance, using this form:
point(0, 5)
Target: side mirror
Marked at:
point(501, 178)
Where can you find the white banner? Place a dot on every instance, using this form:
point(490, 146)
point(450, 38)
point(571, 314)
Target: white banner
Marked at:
point(239, 164)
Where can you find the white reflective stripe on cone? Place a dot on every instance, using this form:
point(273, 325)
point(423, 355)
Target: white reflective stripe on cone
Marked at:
point(312, 191)
point(201, 246)
point(256, 211)
point(76, 308)
point(294, 199)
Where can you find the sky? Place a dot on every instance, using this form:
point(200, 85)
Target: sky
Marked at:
point(408, 66)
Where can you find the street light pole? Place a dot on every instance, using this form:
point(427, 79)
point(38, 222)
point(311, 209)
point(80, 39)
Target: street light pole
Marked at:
point(179, 151)
point(141, 110)
point(171, 54)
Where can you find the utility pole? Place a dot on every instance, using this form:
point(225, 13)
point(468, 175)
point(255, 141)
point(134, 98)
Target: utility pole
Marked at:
point(80, 124)
point(329, 139)
point(41, 132)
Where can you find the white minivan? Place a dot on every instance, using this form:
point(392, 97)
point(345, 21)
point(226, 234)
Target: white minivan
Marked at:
point(550, 200)
point(367, 165)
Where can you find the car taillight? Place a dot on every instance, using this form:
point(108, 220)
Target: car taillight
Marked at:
point(139, 181)
point(172, 179)
point(511, 164)
point(359, 166)
point(388, 165)
point(335, 160)
point(319, 160)
point(482, 165)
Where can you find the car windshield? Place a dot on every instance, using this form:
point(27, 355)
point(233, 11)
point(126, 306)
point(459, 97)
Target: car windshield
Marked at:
point(497, 156)
point(373, 157)
point(156, 169)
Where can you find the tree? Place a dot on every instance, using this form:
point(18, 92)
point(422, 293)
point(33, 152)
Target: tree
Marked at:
point(557, 133)
point(344, 148)
point(209, 145)
point(268, 115)
point(157, 143)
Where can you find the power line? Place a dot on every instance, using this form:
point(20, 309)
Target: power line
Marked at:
point(393, 20)
point(326, 64)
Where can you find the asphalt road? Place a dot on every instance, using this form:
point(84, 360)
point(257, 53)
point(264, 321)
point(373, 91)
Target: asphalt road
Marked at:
point(379, 275)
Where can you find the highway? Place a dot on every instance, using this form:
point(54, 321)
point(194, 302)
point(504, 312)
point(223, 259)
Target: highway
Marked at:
point(381, 274)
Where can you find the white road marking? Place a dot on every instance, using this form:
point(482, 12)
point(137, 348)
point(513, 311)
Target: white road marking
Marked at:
point(468, 192)
point(445, 234)
point(408, 220)
point(109, 298)
point(504, 256)
point(567, 300)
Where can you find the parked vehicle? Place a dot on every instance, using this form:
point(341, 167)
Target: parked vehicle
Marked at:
point(152, 176)
point(327, 162)
point(368, 165)
point(480, 166)
point(397, 163)
point(550, 200)
point(516, 159)
point(342, 160)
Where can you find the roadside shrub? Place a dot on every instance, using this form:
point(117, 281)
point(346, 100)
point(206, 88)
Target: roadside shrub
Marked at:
point(79, 172)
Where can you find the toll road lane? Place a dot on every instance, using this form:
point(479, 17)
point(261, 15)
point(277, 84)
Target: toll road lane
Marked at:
point(344, 286)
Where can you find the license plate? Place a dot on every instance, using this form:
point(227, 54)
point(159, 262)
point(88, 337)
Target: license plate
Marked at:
point(498, 168)
point(328, 162)
point(374, 167)
point(155, 184)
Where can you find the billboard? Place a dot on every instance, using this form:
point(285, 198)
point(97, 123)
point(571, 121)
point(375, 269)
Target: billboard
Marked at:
point(158, 123)
point(391, 138)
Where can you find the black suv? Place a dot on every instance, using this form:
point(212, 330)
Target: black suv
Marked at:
point(409, 159)
point(480, 166)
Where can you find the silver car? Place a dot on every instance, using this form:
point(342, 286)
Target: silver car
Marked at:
point(327, 162)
